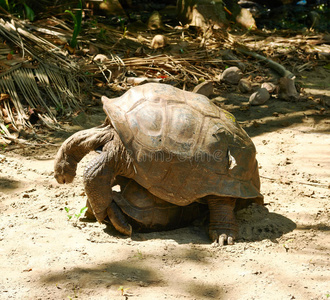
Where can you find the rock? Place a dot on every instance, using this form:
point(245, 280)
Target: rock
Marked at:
point(232, 59)
point(112, 7)
point(231, 75)
point(246, 19)
point(93, 50)
point(201, 13)
point(100, 58)
point(155, 21)
point(205, 88)
point(270, 87)
point(159, 41)
point(259, 97)
point(245, 86)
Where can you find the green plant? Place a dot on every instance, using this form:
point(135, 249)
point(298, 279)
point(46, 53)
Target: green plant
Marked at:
point(102, 35)
point(77, 215)
point(75, 294)
point(123, 290)
point(139, 254)
point(122, 26)
point(77, 19)
point(68, 210)
point(19, 8)
point(286, 245)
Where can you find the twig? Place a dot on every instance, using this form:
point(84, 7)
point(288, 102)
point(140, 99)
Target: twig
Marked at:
point(23, 142)
point(274, 65)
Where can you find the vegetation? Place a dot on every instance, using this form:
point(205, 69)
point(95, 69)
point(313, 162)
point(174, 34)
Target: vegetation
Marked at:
point(18, 8)
point(77, 19)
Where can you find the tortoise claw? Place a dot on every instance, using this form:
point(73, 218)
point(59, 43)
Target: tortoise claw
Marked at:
point(221, 239)
point(64, 178)
point(100, 216)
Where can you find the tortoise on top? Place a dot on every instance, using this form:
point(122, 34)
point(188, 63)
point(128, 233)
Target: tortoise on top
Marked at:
point(176, 144)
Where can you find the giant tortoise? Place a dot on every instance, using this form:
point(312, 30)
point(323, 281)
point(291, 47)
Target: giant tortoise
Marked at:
point(177, 145)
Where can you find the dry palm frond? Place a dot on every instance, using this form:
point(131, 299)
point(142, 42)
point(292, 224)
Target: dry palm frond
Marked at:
point(40, 77)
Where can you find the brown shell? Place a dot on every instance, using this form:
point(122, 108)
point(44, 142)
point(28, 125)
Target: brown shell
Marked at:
point(183, 146)
point(147, 212)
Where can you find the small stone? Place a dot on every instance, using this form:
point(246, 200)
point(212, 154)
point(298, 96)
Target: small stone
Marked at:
point(100, 58)
point(205, 88)
point(155, 21)
point(231, 75)
point(245, 86)
point(270, 87)
point(159, 41)
point(245, 18)
point(259, 97)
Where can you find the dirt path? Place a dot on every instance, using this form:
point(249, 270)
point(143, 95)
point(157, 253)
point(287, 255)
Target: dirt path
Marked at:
point(46, 255)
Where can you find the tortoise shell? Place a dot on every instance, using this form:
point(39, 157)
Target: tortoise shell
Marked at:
point(146, 212)
point(183, 147)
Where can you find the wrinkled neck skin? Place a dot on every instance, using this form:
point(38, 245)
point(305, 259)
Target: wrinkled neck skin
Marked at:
point(118, 157)
point(77, 146)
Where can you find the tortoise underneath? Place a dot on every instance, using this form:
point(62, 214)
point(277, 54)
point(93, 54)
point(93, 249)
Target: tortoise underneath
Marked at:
point(176, 145)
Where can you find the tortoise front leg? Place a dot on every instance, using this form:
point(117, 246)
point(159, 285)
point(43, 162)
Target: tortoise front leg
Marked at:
point(99, 177)
point(223, 226)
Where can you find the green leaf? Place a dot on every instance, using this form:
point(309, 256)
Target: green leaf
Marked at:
point(77, 19)
point(72, 15)
point(4, 4)
point(327, 66)
point(83, 210)
point(66, 209)
point(29, 12)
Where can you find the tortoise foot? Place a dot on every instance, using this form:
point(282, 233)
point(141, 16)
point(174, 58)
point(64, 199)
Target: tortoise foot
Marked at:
point(221, 239)
point(223, 227)
point(89, 215)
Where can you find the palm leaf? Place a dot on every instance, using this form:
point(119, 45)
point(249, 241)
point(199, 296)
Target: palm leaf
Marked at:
point(41, 77)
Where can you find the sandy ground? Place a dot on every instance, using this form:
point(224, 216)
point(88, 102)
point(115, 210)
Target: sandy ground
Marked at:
point(283, 250)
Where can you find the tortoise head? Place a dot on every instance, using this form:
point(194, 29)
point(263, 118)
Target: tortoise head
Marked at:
point(64, 170)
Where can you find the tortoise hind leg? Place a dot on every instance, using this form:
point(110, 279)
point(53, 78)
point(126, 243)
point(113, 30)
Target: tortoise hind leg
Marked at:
point(223, 226)
point(115, 215)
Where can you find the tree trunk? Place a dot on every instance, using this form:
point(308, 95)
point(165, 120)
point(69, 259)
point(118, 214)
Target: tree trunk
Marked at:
point(201, 12)
point(204, 12)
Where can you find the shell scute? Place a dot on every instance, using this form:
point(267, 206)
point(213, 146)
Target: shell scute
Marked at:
point(183, 146)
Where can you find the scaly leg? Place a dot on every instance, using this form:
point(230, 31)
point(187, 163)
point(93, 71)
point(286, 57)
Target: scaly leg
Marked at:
point(100, 176)
point(223, 226)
